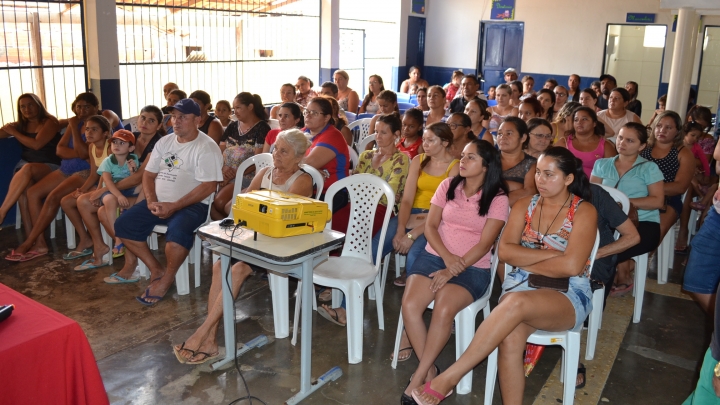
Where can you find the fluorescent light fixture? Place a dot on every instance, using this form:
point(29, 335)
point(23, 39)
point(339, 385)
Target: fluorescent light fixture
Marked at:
point(654, 36)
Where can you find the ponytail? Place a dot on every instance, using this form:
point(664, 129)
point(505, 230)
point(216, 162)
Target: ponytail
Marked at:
point(569, 164)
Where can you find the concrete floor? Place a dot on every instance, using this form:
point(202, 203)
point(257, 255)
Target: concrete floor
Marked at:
point(655, 361)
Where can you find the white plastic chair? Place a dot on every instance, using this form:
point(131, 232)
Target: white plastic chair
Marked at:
point(365, 142)
point(360, 129)
point(131, 124)
point(350, 116)
point(18, 216)
point(274, 124)
point(569, 340)
point(58, 217)
point(354, 158)
point(464, 327)
point(354, 270)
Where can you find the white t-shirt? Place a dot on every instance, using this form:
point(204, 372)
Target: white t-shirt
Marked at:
point(183, 166)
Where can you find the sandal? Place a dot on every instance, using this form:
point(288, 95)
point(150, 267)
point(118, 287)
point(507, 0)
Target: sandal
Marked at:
point(325, 313)
point(182, 348)
point(400, 281)
point(325, 295)
point(403, 358)
point(620, 290)
point(207, 357)
point(681, 250)
point(581, 371)
point(427, 390)
point(118, 251)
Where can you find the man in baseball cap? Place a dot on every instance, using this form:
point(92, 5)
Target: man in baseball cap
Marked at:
point(510, 75)
point(186, 106)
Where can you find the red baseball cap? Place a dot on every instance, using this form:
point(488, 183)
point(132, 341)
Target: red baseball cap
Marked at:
point(124, 135)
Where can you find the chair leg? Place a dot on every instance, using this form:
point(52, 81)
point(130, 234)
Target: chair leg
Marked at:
point(70, 234)
point(143, 269)
point(464, 333)
point(197, 255)
point(377, 286)
point(153, 241)
point(594, 323)
point(296, 317)
point(18, 216)
point(280, 304)
point(337, 298)
point(571, 360)
point(641, 265)
point(491, 375)
point(354, 311)
point(106, 239)
point(182, 278)
point(398, 337)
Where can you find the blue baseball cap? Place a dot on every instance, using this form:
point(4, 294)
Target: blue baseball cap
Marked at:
point(187, 106)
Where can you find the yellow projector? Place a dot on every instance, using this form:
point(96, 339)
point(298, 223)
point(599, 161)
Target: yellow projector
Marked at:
point(278, 214)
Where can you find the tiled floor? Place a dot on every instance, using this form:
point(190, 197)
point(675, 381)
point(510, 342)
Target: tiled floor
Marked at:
point(657, 360)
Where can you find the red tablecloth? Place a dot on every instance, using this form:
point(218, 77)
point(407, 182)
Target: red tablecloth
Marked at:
point(45, 357)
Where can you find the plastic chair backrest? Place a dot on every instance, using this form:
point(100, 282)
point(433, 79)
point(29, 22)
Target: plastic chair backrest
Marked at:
point(131, 124)
point(403, 97)
point(618, 196)
point(318, 179)
point(364, 192)
point(350, 116)
point(360, 129)
point(405, 106)
point(593, 252)
point(364, 115)
point(364, 143)
point(354, 158)
point(274, 124)
point(492, 103)
point(413, 100)
point(259, 161)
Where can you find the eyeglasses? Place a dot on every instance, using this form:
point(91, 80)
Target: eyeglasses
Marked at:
point(119, 142)
point(548, 137)
point(454, 126)
point(311, 113)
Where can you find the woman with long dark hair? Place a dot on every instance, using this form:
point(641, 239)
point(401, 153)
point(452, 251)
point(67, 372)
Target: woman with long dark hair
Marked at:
point(369, 103)
point(587, 142)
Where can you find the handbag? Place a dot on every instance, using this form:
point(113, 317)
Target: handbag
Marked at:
point(632, 213)
point(561, 284)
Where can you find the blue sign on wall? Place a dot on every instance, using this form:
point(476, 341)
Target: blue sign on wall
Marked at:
point(502, 10)
point(640, 18)
point(418, 6)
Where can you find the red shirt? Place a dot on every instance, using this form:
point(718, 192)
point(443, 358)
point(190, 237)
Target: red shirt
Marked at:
point(411, 150)
point(339, 167)
point(271, 136)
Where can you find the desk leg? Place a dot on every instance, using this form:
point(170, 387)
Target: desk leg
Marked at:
point(281, 315)
point(306, 387)
point(229, 321)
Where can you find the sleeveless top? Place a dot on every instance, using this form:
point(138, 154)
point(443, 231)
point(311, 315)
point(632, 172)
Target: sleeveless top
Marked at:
point(669, 165)
point(588, 158)
point(93, 153)
point(372, 107)
point(553, 241)
point(150, 145)
point(74, 165)
point(495, 121)
point(267, 183)
point(343, 102)
point(46, 154)
point(616, 123)
point(412, 150)
point(427, 184)
point(206, 126)
point(518, 172)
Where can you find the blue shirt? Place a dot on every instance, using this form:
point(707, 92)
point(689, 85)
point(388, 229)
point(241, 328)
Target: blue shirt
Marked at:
point(110, 164)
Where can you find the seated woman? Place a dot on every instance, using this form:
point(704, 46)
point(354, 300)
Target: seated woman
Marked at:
point(588, 98)
point(676, 162)
point(328, 152)
point(586, 141)
point(528, 83)
point(151, 130)
point(530, 108)
point(540, 132)
point(517, 90)
point(305, 93)
point(551, 246)
point(209, 125)
point(241, 140)
point(391, 165)
point(563, 124)
point(96, 134)
point(38, 134)
point(223, 111)
point(415, 79)
point(387, 104)
point(518, 168)
point(289, 116)
point(503, 108)
point(287, 95)
point(617, 115)
point(561, 97)
point(285, 175)
point(454, 268)
point(411, 136)
point(453, 87)
point(460, 125)
point(476, 109)
point(641, 181)
point(340, 120)
point(422, 95)
point(436, 102)
point(547, 101)
point(370, 103)
point(347, 97)
point(700, 183)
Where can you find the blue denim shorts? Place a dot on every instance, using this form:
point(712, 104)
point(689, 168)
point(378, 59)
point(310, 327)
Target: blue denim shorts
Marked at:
point(128, 192)
point(138, 222)
point(579, 292)
point(473, 279)
point(702, 273)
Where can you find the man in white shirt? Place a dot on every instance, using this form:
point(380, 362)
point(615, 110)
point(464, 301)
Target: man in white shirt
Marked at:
point(184, 170)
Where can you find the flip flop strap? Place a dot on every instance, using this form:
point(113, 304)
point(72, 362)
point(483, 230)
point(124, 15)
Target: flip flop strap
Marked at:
point(432, 392)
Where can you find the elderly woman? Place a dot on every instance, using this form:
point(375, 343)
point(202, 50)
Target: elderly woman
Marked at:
point(388, 163)
point(466, 216)
point(287, 95)
point(209, 125)
point(518, 168)
point(347, 97)
point(305, 93)
point(242, 139)
point(616, 115)
point(548, 245)
point(415, 79)
point(37, 132)
point(285, 175)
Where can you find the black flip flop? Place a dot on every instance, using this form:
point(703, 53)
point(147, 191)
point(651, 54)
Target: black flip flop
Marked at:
point(583, 371)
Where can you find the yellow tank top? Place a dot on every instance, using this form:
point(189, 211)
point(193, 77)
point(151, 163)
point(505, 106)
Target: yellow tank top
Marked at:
point(427, 184)
point(99, 160)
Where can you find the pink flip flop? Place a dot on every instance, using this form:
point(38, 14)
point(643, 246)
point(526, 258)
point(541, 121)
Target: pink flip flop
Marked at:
point(428, 390)
point(19, 257)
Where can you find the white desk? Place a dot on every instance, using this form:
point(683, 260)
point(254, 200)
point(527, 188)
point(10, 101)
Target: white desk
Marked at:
point(293, 256)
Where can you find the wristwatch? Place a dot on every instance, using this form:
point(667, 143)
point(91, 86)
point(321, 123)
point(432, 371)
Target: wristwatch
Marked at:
point(717, 370)
point(409, 235)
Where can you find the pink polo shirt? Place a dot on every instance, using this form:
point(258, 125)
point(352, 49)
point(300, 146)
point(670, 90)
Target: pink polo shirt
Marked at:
point(461, 226)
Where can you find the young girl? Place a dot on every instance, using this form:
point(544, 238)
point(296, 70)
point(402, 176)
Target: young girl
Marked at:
point(287, 95)
point(503, 108)
point(411, 135)
point(97, 132)
point(223, 110)
point(387, 104)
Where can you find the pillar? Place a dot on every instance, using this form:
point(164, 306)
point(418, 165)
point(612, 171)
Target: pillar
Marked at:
point(329, 39)
point(102, 53)
point(682, 60)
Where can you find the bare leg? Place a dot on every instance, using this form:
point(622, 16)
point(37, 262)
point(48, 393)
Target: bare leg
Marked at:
point(404, 343)
point(175, 255)
point(706, 302)
point(538, 309)
point(69, 204)
point(89, 216)
point(141, 250)
point(510, 364)
point(682, 236)
point(25, 213)
point(24, 178)
point(205, 337)
point(43, 214)
point(624, 270)
point(667, 220)
point(217, 211)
